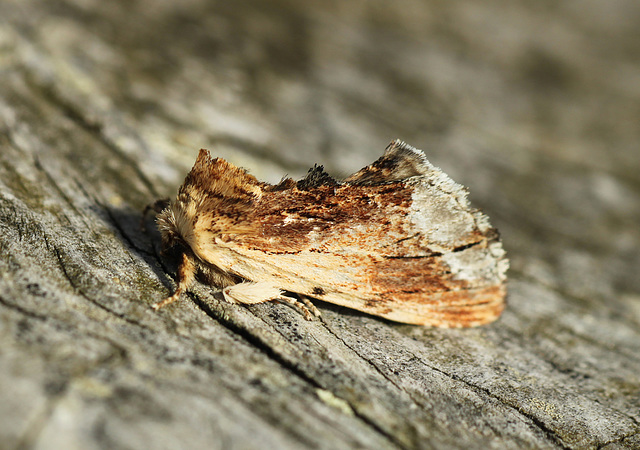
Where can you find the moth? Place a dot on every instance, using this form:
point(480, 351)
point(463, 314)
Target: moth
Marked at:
point(397, 239)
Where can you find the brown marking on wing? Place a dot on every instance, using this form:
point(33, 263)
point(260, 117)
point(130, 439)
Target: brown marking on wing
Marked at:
point(411, 275)
point(448, 309)
point(469, 308)
point(326, 218)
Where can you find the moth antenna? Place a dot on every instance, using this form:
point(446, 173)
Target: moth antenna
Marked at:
point(186, 275)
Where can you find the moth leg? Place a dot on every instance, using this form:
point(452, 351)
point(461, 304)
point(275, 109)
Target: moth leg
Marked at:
point(310, 305)
point(307, 308)
point(186, 274)
point(251, 293)
point(212, 276)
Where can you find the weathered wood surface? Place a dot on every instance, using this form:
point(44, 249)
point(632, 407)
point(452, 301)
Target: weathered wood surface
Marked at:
point(103, 106)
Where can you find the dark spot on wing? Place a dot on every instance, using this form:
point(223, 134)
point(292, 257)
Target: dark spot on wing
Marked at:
point(318, 291)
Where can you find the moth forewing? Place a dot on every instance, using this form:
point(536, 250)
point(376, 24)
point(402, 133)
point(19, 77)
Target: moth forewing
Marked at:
point(397, 239)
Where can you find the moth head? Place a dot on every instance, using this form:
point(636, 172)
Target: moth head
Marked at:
point(169, 230)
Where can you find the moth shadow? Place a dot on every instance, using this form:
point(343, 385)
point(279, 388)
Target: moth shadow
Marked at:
point(344, 311)
point(140, 234)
